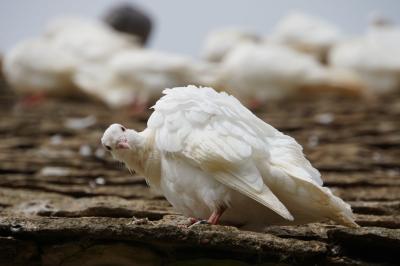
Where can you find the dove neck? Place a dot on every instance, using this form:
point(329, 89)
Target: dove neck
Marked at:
point(145, 159)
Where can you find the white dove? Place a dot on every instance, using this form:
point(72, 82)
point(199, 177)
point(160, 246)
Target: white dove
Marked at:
point(220, 42)
point(137, 76)
point(375, 57)
point(88, 40)
point(306, 33)
point(212, 158)
point(47, 64)
point(255, 72)
point(37, 65)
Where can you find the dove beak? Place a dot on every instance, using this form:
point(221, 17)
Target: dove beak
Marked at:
point(123, 145)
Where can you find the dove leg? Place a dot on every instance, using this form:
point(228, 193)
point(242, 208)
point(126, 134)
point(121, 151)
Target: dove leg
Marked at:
point(137, 221)
point(216, 215)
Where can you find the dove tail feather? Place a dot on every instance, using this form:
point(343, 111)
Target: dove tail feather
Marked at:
point(343, 213)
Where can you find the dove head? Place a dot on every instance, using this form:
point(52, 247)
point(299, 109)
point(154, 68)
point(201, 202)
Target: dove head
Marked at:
point(118, 140)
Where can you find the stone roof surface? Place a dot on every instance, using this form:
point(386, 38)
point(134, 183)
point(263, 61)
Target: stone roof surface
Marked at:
point(63, 201)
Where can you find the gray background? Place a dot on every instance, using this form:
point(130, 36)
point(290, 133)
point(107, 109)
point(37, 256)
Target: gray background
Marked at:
point(182, 25)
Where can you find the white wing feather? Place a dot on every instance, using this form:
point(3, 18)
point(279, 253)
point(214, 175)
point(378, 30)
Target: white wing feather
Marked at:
point(219, 135)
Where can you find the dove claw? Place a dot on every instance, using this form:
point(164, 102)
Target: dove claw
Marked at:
point(139, 221)
point(199, 222)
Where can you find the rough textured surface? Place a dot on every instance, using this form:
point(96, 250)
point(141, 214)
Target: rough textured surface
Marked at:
point(64, 201)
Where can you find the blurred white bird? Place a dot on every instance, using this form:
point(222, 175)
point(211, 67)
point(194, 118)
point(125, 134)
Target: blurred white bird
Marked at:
point(269, 71)
point(37, 65)
point(306, 33)
point(88, 40)
point(138, 77)
point(46, 64)
point(212, 158)
point(375, 57)
point(218, 43)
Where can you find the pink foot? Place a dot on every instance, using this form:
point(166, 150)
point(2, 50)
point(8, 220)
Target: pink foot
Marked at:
point(32, 100)
point(137, 108)
point(216, 215)
point(213, 220)
point(255, 104)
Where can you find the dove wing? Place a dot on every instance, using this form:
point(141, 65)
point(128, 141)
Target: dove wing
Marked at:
point(207, 130)
point(262, 194)
point(233, 120)
point(287, 155)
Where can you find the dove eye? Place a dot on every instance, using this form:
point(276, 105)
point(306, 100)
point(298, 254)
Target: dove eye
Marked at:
point(123, 129)
point(108, 147)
